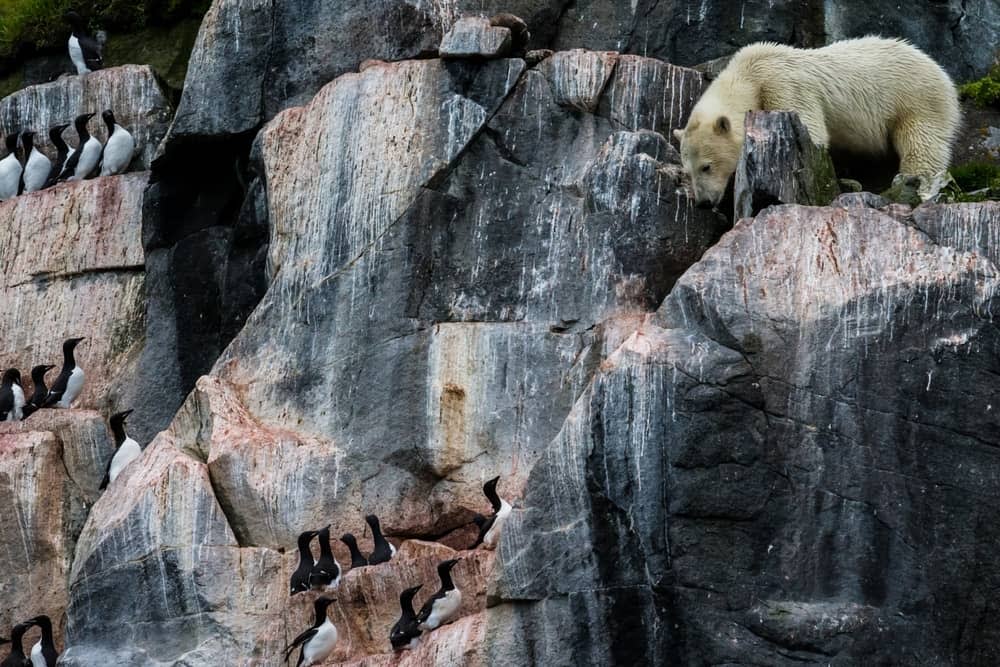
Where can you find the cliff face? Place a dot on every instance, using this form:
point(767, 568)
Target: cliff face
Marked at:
point(373, 290)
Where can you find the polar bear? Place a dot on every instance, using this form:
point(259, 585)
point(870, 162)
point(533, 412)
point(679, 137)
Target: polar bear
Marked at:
point(865, 96)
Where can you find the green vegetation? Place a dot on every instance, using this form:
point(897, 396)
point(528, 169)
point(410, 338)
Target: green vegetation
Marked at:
point(976, 181)
point(986, 91)
point(28, 26)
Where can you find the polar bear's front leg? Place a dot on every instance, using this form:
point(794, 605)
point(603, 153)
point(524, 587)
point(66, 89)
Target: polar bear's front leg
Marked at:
point(924, 148)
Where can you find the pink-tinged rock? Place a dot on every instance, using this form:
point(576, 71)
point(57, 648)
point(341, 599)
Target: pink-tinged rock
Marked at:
point(74, 267)
point(131, 91)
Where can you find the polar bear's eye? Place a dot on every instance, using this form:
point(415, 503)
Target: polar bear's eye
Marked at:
point(707, 168)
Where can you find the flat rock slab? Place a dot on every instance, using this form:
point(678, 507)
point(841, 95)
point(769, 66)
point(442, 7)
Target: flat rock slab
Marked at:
point(474, 37)
point(131, 91)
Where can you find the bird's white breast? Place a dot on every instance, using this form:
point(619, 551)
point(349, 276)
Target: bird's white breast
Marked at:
point(492, 537)
point(444, 609)
point(90, 154)
point(10, 175)
point(36, 171)
point(76, 55)
point(73, 388)
point(17, 412)
point(128, 452)
point(321, 645)
point(37, 659)
point(117, 152)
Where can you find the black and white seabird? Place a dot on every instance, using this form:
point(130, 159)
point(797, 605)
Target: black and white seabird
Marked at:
point(69, 384)
point(118, 149)
point(16, 657)
point(126, 449)
point(62, 152)
point(325, 573)
point(43, 653)
point(10, 169)
point(483, 524)
point(87, 154)
point(84, 50)
point(404, 634)
point(501, 511)
point(36, 165)
point(39, 392)
point(384, 550)
point(357, 560)
point(11, 396)
point(443, 605)
point(318, 641)
point(300, 578)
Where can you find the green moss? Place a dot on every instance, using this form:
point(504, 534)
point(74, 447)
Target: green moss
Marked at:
point(986, 91)
point(166, 50)
point(976, 176)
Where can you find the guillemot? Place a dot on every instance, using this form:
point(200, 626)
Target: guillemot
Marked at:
point(87, 154)
point(405, 633)
point(318, 641)
point(126, 449)
point(383, 549)
point(39, 391)
point(11, 396)
point(118, 149)
point(36, 165)
point(62, 152)
point(501, 511)
point(10, 169)
point(357, 560)
point(300, 578)
point(69, 384)
point(84, 50)
point(325, 573)
point(43, 653)
point(443, 605)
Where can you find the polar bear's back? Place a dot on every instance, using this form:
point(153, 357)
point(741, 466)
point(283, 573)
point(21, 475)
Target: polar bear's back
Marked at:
point(863, 87)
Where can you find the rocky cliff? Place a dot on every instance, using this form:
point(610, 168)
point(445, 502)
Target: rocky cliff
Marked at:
point(359, 278)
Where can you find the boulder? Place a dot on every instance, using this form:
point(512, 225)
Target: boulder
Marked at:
point(473, 37)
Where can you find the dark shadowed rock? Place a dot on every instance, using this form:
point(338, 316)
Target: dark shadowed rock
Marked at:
point(780, 165)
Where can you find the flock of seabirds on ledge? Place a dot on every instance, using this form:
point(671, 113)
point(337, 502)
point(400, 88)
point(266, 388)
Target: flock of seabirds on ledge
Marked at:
point(30, 171)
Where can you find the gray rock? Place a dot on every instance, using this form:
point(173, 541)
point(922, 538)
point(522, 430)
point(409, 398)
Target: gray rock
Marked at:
point(781, 165)
point(473, 37)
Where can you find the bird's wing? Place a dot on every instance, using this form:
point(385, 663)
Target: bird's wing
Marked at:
point(70, 165)
point(91, 52)
point(425, 611)
point(299, 641)
point(107, 473)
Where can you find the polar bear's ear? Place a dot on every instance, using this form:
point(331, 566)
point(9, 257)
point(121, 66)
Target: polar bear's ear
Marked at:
point(678, 135)
point(721, 125)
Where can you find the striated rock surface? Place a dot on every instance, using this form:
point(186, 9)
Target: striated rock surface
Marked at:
point(475, 37)
point(131, 91)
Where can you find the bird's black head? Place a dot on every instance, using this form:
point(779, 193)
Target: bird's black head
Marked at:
point(12, 376)
point(444, 567)
point(306, 537)
point(80, 123)
point(11, 142)
point(409, 593)
point(322, 604)
point(41, 621)
point(38, 372)
point(118, 419)
point(56, 132)
point(109, 117)
point(491, 486)
point(372, 521)
point(18, 631)
point(70, 344)
point(74, 20)
point(348, 539)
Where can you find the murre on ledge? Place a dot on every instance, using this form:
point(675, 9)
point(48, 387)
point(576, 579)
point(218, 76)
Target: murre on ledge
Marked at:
point(318, 641)
point(69, 384)
point(39, 392)
point(501, 511)
point(87, 154)
point(325, 573)
point(383, 550)
point(405, 633)
point(62, 152)
point(443, 605)
point(118, 149)
point(300, 578)
point(10, 169)
point(126, 449)
point(357, 560)
point(36, 165)
point(43, 653)
point(16, 657)
point(84, 50)
point(11, 396)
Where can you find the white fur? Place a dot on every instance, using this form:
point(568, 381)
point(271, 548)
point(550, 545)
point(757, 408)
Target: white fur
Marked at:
point(76, 55)
point(128, 452)
point(319, 648)
point(10, 176)
point(444, 610)
point(117, 152)
point(868, 96)
point(36, 170)
point(90, 155)
point(73, 388)
point(492, 537)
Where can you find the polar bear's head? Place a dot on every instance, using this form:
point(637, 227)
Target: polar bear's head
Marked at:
point(710, 149)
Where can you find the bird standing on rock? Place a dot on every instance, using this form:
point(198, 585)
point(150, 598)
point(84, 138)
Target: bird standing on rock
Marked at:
point(384, 550)
point(118, 149)
point(126, 449)
point(11, 396)
point(43, 653)
point(39, 392)
point(62, 152)
point(300, 578)
point(357, 560)
point(442, 607)
point(16, 657)
point(36, 165)
point(501, 511)
point(84, 50)
point(87, 154)
point(405, 633)
point(318, 641)
point(325, 573)
point(69, 384)
point(10, 169)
